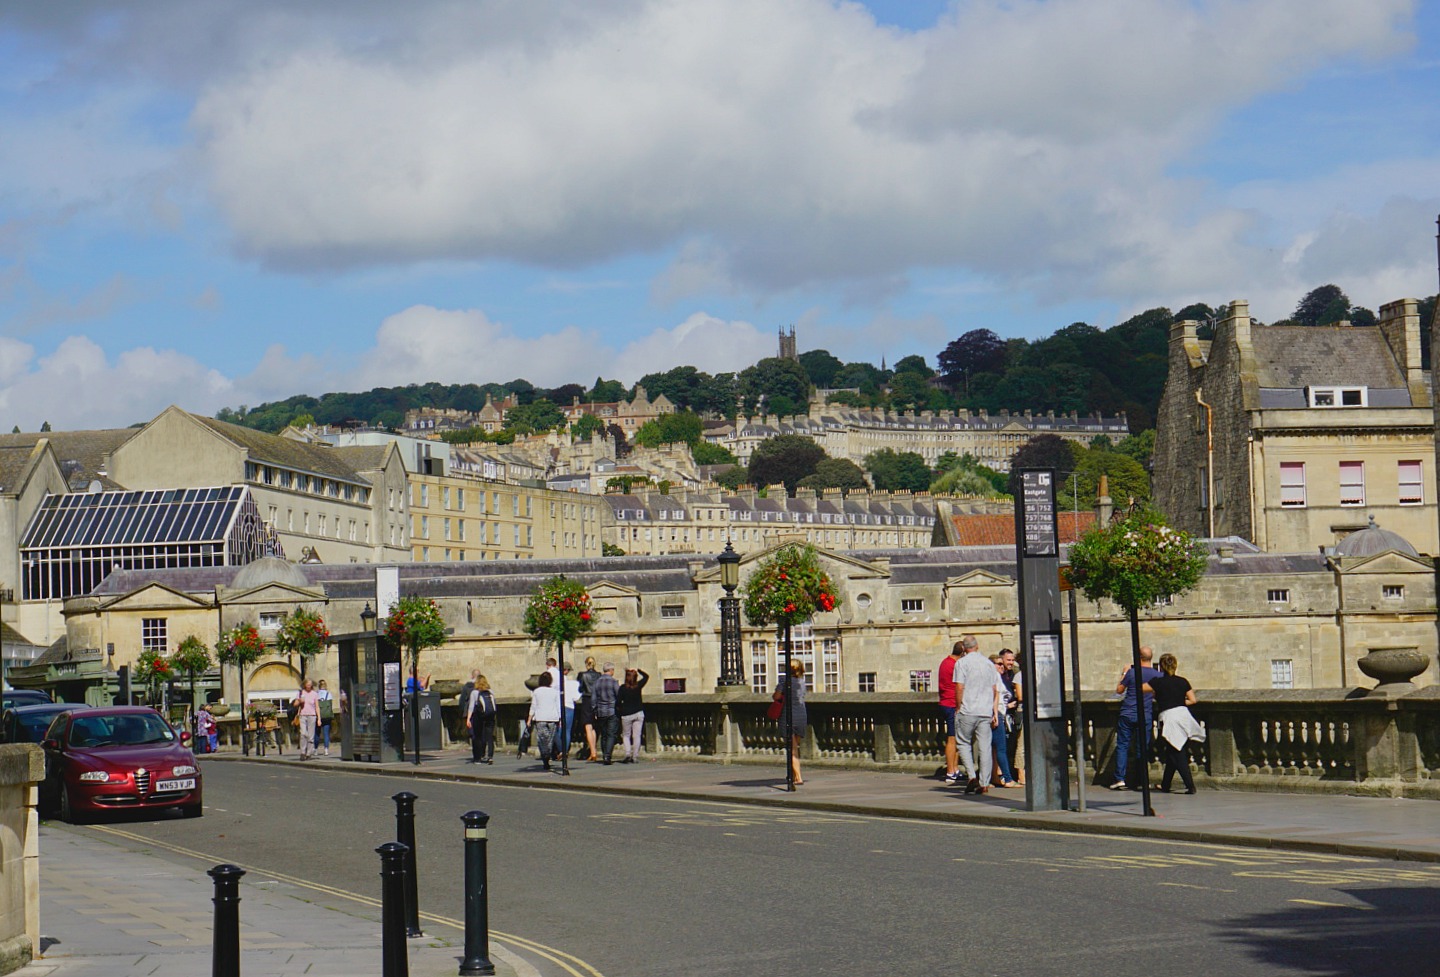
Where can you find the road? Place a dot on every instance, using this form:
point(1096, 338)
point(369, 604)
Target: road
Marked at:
point(641, 887)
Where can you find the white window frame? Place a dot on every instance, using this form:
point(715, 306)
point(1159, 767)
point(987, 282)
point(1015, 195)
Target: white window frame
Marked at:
point(1292, 489)
point(1330, 398)
point(1392, 591)
point(1282, 673)
point(1277, 595)
point(1411, 478)
point(1352, 483)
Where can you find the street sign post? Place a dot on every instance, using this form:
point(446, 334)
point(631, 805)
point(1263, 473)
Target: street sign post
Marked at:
point(1037, 560)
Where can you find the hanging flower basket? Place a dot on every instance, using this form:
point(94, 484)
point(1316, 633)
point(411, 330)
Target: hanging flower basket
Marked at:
point(559, 612)
point(789, 587)
point(1136, 561)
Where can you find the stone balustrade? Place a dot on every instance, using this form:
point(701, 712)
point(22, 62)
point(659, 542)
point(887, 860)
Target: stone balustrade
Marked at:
point(1291, 740)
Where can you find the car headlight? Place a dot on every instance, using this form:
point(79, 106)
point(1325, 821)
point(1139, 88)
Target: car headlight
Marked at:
point(101, 776)
point(183, 769)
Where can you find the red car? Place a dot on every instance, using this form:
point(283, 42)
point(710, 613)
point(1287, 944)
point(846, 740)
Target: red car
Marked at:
point(120, 758)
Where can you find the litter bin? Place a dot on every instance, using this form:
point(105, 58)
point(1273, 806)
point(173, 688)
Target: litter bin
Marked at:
point(430, 726)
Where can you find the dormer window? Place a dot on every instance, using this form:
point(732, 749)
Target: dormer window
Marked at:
point(1338, 396)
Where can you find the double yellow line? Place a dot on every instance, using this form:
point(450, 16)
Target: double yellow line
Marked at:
point(570, 964)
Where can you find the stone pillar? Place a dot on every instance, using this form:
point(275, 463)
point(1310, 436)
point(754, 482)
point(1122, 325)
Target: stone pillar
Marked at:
point(22, 767)
point(1222, 759)
point(884, 740)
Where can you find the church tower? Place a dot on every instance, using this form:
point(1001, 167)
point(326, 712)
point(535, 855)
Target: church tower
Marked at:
point(787, 345)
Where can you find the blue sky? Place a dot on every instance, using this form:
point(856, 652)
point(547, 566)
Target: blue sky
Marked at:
point(223, 202)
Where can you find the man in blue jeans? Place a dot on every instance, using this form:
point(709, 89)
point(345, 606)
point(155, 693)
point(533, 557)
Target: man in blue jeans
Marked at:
point(1129, 727)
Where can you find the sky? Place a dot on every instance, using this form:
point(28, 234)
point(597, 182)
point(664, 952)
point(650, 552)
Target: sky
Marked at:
point(220, 203)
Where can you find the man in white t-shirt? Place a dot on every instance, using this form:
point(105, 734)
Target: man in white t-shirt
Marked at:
point(978, 691)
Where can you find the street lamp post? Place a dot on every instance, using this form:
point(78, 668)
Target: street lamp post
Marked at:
point(730, 664)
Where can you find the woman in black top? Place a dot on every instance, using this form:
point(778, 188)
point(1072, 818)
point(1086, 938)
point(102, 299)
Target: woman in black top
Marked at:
point(631, 710)
point(1173, 697)
point(584, 714)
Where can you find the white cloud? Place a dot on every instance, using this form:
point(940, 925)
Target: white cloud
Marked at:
point(799, 142)
point(423, 344)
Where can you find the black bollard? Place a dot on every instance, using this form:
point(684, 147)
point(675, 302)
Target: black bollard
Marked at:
point(477, 897)
point(225, 959)
point(405, 834)
point(394, 954)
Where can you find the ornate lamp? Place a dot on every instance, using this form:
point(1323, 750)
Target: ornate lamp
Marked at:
point(730, 664)
point(367, 618)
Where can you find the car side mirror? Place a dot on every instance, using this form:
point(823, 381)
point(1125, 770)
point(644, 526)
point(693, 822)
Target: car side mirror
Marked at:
point(50, 744)
point(185, 736)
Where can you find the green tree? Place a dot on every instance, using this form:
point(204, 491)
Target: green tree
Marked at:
point(1042, 451)
point(709, 453)
point(610, 549)
point(733, 478)
point(905, 470)
point(45, 428)
point(913, 364)
point(607, 391)
point(1138, 446)
point(784, 459)
point(977, 351)
point(820, 366)
point(1126, 480)
point(682, 427)
point(585, 427)
point(841, 473)
point(304, 633)
point(1321, 306)
point(191, 657)
point(534, 417)
point(782, 382)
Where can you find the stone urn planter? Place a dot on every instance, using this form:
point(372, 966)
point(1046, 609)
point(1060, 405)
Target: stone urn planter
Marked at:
point(1393, 668)
point(447, 687)
point(218, 709)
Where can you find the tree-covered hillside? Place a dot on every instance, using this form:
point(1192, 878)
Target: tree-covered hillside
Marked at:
point(1077, 368)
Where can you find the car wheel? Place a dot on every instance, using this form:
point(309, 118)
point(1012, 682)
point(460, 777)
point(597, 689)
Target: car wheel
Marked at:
point(68, 813)
point(192, 810)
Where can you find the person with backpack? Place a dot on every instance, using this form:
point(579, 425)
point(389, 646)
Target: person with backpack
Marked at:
point(480, 716)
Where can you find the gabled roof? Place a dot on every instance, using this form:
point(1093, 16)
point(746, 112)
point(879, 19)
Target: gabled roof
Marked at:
point(81, 454)
point(284, 453)
point(1291, 357)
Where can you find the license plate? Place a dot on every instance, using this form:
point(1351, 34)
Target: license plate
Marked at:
point(161, 785)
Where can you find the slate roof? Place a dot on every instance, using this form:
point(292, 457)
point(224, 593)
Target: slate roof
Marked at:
point(1295, 357)
point(364, 457)
point(85, 451)
point(285, 453)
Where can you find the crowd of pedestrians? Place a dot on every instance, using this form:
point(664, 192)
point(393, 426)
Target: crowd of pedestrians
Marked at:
point(593, 709)
point(980, 705)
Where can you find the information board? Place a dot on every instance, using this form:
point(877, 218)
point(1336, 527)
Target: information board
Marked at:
point(1049, 677)
point(392, 686)
point(1037, 514)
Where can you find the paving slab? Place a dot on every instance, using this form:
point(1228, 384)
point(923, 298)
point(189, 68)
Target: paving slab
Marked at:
point(109, 911)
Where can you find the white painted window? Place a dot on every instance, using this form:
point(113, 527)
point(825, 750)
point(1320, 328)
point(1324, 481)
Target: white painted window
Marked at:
point(1352, 483)
point(1292, 484)
point(1392, 591)
point(1412, 483)
point(912, 605)
point(1282, 673)
point(1278, 595)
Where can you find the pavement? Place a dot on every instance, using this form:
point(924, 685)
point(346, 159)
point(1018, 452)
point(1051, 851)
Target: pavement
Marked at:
point(108, 910)
point(148, 914)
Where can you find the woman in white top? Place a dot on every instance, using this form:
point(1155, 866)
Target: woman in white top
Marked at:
point(545, 717)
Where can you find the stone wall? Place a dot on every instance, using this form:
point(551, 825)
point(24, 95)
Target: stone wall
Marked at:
point(22, 766)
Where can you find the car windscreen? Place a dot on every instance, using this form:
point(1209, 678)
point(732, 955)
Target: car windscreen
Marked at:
point(127, 730)
point(34, 725)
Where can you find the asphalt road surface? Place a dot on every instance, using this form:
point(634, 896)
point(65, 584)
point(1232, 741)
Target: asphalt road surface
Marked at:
point(640, 887)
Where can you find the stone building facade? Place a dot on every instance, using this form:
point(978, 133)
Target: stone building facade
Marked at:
point(856, 434)
point(1256, 621)
point(1294, 436)
point(459, 518)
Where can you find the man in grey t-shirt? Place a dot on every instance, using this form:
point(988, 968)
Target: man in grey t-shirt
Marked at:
point(602, 702)
point(978, 691)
